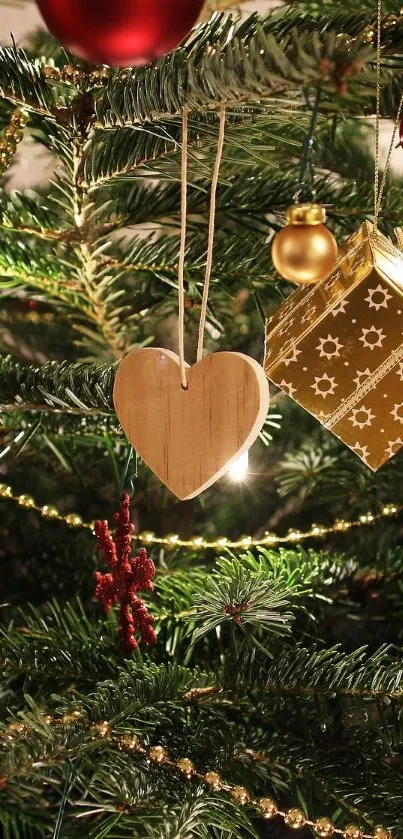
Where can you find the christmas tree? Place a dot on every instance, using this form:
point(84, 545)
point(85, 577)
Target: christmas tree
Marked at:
point(228, 666)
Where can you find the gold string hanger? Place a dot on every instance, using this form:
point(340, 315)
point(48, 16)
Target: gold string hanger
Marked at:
point(210, 242)
point(379, 189)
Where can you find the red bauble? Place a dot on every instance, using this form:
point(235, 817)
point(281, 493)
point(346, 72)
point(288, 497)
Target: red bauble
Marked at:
point(122, 33)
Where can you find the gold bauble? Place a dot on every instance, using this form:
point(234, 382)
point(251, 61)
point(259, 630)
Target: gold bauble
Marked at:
point(214, 779)
point(352, 831)
point(5, 491)
point(186, 766)
point(382, 833)
point(324, 827)
point(240, 795)
point(295, 818)
point(304, 251)
point(267, 807)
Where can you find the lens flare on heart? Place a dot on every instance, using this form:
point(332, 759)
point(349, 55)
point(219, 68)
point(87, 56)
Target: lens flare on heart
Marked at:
point(239, 468)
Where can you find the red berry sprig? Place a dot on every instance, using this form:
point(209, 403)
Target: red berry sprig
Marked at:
point(127, 576)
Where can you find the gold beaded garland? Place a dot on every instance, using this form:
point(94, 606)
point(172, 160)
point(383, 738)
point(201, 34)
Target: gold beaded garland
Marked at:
point(70, 75)
point(13, 135)
point(186, 766)
point(51, 73)
point(295, 819)
point(198, 543)
point(157, 754)
point(129, 743)
point(73, 519)
point(11, 132)
point(101, 729)
point(352, 831)
point(50, 512)
point(26, 501)
point(17, 729)
point(382, 833)
point(240, 795)
point(215, 781)
point(19, 118)
point(72, 717)
point(267, 807)
point(324, 827)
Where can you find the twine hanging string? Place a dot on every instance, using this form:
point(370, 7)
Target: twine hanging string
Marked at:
point(182, 249)
point(379, 190)
point(210, 242)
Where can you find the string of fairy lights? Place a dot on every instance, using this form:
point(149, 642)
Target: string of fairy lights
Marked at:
point(157, 755)
point(199, 543)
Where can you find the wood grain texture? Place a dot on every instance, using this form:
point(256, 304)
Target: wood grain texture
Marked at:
point(189, 438)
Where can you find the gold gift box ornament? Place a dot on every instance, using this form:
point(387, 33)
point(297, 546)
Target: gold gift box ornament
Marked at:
point(337, 347)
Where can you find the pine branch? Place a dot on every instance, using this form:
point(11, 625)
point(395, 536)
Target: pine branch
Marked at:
point(310, 671)
point(24, 825)
point(72, 388)
point(236, 595)
point(155, 147)
point(240, 65)
point(102, 297)
point(21, 81)
point(24, 265)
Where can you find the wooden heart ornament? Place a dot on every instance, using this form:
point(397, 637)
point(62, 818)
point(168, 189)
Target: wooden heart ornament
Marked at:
point(189, 438)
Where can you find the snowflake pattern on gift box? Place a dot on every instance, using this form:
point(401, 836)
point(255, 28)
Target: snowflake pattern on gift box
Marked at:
point(343, 357)
point(362, 451)
point(372, 337)
point(378, 297)
point(288, 387)
point(329, 347)
point(293, 356)
point(361, 417)
point(324, 385)
point(393, 446)
point(286, 328)
point(397, 412)
point(309, 314)
point(340, 309)
point(362, 375)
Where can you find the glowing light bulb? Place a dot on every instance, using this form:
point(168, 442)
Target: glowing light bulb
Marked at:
point(239, 468)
